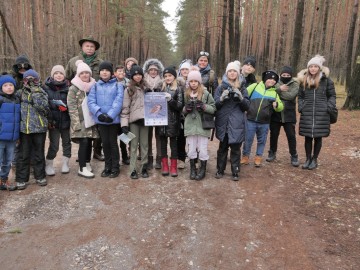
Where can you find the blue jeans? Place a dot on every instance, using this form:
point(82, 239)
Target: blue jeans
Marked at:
point(6, 156)
point(261, 131)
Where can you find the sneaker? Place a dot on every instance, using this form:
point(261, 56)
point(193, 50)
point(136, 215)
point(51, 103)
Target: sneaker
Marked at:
point(244, 160)
point(41, 182)
point(219, 175)
point(144, 173)
point(114, 173)
point(271, 157)
point(6, 185)
point(257, 161)
point(84, 172)
point(181, 164)
point(20, 185)
point(134, 175)
point(235, 177)
point(295, 161)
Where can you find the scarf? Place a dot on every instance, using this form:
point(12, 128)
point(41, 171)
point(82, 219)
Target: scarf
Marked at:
point(83, 86)
point(204, 70)
point(88, 59)
point(152, 82)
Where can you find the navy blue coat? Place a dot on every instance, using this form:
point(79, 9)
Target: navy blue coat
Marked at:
point(230, 116)
point(9, 117)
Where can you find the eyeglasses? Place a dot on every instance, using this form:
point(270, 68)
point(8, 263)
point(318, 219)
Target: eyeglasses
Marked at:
point(204, 53)
point(23, 65)
point(27, 80)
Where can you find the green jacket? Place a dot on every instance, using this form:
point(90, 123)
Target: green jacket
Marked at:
point(94, 65)
point(193, 125)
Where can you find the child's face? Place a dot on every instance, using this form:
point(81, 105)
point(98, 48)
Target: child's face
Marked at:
point(232, 74)
point(137, 78)
point(105, 74)
point(169, 78)
point(153, 72)
point(184, 72)
point(84, 76)
point(314, 69)
point(120, 74)
point(58, 76)
point(248, 69)
point(129, 65)
point(88, 48)
point(194, 84)
point(270, 83)
point(8, 88)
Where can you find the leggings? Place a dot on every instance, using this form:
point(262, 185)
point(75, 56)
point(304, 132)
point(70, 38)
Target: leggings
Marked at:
point(309, 146)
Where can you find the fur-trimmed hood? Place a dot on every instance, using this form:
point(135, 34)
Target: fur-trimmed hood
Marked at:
point(154, 62)
point(302, 73)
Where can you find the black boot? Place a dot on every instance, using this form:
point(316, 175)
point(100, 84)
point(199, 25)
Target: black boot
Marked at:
point(192, 169)
point(150, 164)
point(313, 164)
point(295, 160)
point(307, 163)
point(158, 162)
point(202, 170)
point(271, 157)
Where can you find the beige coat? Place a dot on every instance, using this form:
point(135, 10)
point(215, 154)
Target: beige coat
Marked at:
point(133, 106)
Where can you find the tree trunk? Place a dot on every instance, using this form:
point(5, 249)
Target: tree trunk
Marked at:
point(298, 34)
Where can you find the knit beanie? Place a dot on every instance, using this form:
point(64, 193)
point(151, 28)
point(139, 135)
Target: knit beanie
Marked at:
point(170, 70)
point(250, 60)
point(135, 69)
point(32, 73)
point(131, 59)
point(203, 53)
point(107, 65)
point(57, 68)
point(317, 60)
point(287, 69)
point(270, 74)
point(194, 75)
point(185, 65)
point(233, 65)
point(81, 67)
point(6, 79)
point(153, 67)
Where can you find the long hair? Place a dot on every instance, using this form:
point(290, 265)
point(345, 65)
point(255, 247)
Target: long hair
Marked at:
point(312, 81)
point(200, 91)
point(173, 85)
point(132, 86)
point(234, 84)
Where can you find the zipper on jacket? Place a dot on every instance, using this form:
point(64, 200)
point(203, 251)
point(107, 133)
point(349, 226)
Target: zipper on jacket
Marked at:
point(313, 123)
point(28, 116)
point(262, 99)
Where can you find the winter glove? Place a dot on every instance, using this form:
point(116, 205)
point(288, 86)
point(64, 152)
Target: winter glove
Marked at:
point(200, 106)
point(125, 129)
point(157, 90)
point(51, 125)
point(167, 96)
point(108, 119)
point(147, 90)
point(237, 95)
point(224, 95)
point(102, 117)
point(62, 108)
point(189, 106)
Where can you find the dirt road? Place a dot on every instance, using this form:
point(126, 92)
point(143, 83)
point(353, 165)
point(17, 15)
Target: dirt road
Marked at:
point(275, 217)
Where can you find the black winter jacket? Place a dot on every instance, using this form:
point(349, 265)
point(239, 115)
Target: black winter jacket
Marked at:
point(57, 91)
point(314, 106)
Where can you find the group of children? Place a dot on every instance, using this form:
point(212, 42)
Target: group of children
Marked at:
point(242, 109)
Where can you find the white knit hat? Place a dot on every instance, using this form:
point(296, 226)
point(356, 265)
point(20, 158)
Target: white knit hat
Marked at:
point(57, 68)
point(81, 67)
point(317, 60)
point(185, 65)
point(233, 65)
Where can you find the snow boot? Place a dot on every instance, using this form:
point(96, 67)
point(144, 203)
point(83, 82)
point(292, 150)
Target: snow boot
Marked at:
point(173, 167)
point(193, 171)
point(165, 166)
point(202, 170)
point(49, 168)
point(158, 162)
point(65, 166)
point(271, 157)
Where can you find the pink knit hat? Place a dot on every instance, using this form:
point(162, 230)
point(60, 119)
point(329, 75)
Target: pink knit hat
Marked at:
point(81, 67)
point(194, 75)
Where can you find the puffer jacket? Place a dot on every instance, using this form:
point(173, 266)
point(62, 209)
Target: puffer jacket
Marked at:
point(9, 117)
point(133, 105)
point(70, 69)
point(34, 109)
point(77, 127)
point(261, 100)
point(153, 84)
point(230, 115)
point(106, 97)
point(57, 91)
point(193, 124)
point(288, 115)
point(314, 106)
point(175, 106)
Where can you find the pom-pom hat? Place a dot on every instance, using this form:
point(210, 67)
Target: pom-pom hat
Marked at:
point(82, 67)
point(194, 75)
point(233, 66)
point(317, 60)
